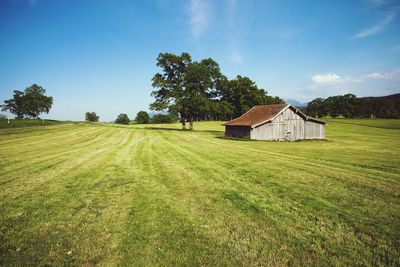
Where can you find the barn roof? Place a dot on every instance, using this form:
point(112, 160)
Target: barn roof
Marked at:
point(261, 114)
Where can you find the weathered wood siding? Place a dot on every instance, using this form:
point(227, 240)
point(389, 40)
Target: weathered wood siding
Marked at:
point(288, 126)
point(269, 131)
point(314, 130)
point(237, 131)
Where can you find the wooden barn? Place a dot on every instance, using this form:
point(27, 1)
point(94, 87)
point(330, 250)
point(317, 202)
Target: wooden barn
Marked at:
point(275, 122)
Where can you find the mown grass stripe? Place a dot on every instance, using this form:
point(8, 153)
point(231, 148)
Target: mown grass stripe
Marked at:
point(133, 195)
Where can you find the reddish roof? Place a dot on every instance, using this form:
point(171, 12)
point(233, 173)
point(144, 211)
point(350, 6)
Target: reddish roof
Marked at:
point(256, 115)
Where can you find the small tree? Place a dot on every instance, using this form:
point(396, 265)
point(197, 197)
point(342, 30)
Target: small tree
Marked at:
point(3, 117)
point(142, 117)
point(91, 116)
point(122, 119)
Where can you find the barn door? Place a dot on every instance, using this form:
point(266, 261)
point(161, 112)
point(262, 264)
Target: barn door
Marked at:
point(290, 130)
point(287, 131)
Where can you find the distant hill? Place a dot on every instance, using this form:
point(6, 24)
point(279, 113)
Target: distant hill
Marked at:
point(295, 103)
point(153, 113)
point(394, 97)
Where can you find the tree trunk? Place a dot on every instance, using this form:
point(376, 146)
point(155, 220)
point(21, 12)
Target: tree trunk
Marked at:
point(191, 123)
point(183, 124)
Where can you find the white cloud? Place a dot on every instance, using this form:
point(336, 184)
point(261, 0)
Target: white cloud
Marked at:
point(371, 84)
point(376, 28)
point(374, 75)
point(199, 16)
point(334, 79)
point(329, 78)
point(392, 75)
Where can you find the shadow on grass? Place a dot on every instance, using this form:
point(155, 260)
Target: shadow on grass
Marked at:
point(237, 139)
point(274, 141)
point(179, 130)
point(394, 127)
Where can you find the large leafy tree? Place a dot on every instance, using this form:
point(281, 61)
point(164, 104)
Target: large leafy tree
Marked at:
point(36, 102)
point(184, 87)
point(171, 84)
point(30, 103)
point(15, 105)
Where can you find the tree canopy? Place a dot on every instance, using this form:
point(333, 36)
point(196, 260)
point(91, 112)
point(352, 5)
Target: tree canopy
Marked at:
point(28, 103)
point(91, 116)
point(241, 94)
point(122, 119)
point(142, 117)
point(164, 118)
point(197, 90)
point(185, 87)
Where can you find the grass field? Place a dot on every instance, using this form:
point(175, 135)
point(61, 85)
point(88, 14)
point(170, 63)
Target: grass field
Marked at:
point(18, 123)
point(107, 194)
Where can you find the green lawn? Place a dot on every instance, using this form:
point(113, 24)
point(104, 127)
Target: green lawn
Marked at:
point(18, 123)
point(85, 194)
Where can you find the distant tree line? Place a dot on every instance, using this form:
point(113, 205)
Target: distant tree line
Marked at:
point(197, 90)
point(143, 117)
point(349, 106)
point(29, 103)
point(164, 118)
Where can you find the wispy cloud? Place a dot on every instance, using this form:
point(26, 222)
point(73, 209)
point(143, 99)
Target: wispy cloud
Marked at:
point(329, 78)
point(231, 6)
point(379, 2)
point(233, 32)
point(235, 56)
point(199, 16)
point(376, 28)
point(335, 79)
point(396, 48)
point(391, 75)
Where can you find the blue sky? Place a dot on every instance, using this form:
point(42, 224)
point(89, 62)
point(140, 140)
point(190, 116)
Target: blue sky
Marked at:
point(100, 55)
